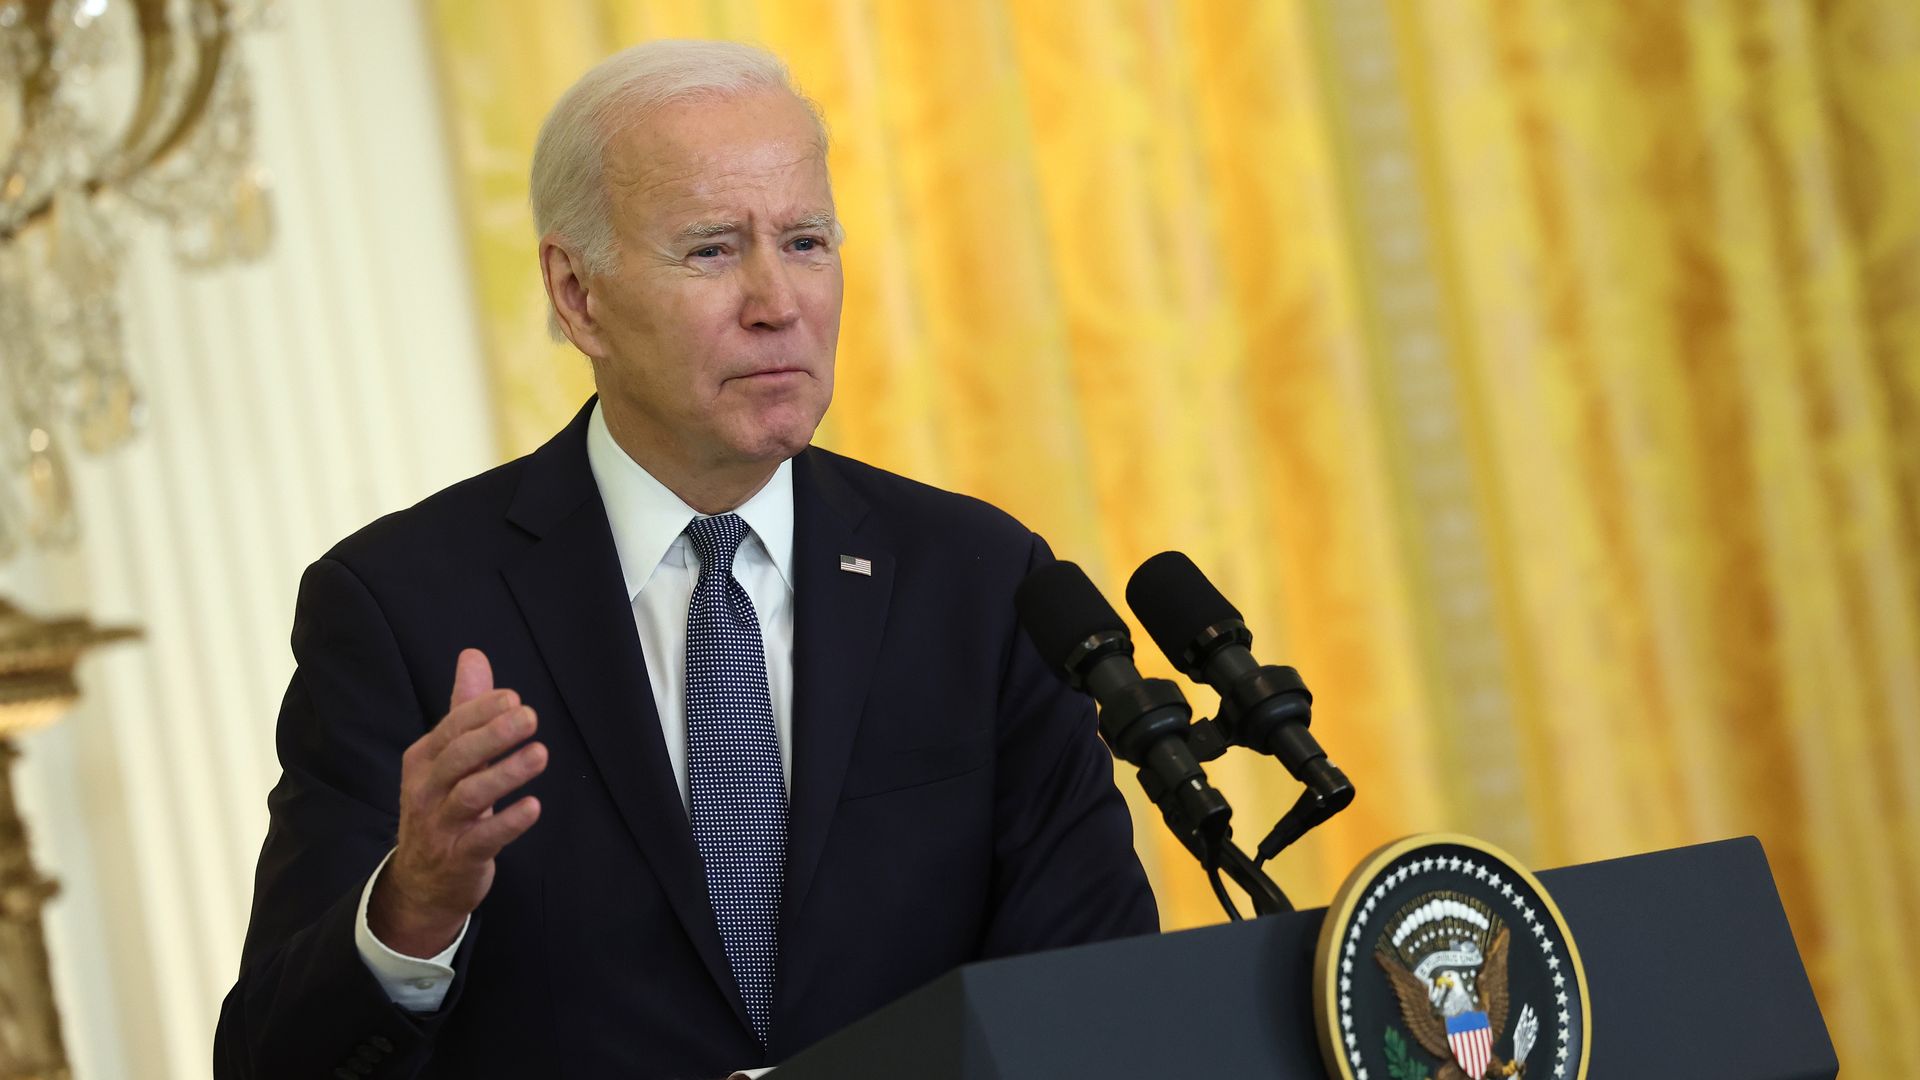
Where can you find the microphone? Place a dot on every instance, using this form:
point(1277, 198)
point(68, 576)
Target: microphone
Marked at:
point(1262, 706)
point(1143, 721)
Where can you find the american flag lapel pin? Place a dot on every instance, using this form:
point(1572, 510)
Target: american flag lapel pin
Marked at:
point(853, 564)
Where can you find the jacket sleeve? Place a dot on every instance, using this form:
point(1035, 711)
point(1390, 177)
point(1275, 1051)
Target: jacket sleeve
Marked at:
point(305, 1003)
point(1065, 871)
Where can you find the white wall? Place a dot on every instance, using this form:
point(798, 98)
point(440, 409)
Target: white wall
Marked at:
point(290, 402)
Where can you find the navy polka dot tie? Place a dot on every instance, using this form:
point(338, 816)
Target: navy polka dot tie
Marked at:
point(738, 797)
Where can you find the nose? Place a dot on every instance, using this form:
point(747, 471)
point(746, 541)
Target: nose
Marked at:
point(769, 300)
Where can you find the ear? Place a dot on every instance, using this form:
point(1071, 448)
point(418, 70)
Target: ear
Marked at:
point(565, 274)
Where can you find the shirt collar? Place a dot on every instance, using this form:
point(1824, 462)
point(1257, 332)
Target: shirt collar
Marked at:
point(647, 517)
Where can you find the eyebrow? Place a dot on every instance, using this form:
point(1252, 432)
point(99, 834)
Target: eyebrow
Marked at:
point(706, 230)
point(819, 221)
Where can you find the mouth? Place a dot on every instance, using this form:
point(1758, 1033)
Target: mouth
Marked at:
point(773, 373)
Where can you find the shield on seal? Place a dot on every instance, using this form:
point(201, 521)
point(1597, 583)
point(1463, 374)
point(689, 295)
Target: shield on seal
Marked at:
point(1471, 1038)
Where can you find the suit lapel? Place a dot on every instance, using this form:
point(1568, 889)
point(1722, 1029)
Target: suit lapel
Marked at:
point(569, 588)
point(839, 618)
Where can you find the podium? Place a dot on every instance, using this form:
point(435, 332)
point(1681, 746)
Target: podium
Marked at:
point(1691, 970)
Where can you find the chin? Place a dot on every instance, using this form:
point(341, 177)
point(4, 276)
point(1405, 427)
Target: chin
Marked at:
point(780, 434)
point(774, 444)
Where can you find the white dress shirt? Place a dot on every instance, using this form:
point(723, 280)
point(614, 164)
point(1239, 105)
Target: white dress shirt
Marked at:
point(659, 565)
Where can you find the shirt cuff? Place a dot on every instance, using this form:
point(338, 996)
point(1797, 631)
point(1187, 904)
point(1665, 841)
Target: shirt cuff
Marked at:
point(414, 984)
point(750, 1074)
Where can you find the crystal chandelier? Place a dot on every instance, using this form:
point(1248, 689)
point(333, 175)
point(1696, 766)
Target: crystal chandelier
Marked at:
point(110, 111)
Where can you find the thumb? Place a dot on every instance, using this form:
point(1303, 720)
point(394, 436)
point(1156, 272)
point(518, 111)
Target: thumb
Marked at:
point(472, 676)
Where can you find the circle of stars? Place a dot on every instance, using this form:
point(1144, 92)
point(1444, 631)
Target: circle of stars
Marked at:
point(1498, 879)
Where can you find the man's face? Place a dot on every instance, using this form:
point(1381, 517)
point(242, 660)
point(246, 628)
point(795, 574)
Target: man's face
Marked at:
point(713, 339)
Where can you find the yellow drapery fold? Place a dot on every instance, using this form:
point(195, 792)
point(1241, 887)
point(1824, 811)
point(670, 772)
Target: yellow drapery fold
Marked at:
point(1541, 379)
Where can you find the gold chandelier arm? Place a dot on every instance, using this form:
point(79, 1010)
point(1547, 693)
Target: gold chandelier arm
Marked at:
point(36, 90)
point(39, 81)
point(157, 51)
point(158, 56)
point(210, 57)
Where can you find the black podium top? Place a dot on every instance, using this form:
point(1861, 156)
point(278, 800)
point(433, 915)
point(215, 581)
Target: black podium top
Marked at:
point(1691, 970)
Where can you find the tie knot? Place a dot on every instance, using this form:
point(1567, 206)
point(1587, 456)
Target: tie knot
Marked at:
point(716, 539)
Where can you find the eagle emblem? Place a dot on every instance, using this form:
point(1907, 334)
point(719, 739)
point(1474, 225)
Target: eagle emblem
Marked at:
point(1445, 954)
point(1441, 958)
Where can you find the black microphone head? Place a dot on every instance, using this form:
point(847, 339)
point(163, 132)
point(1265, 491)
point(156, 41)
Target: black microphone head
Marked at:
point(1061, 609)
point(1176, 603)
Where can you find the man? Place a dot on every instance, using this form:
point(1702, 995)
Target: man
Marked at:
point(742, 740)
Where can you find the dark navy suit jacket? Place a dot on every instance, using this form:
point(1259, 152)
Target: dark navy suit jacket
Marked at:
point(951, 801)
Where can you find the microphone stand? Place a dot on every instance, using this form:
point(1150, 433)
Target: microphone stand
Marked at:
point(1217, 853)
point(1327, 793)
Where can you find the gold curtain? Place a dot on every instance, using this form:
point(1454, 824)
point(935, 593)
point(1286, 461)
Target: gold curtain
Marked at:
point(1541, 378)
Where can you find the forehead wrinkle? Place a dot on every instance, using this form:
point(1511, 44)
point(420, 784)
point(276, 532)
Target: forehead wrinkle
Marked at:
point(680, 177)
point(700, 172)
point(636, 187)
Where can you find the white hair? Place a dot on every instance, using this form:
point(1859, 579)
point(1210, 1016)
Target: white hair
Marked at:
point(568, 191)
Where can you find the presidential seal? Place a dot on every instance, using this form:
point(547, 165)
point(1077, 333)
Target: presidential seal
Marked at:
point(1441, 958)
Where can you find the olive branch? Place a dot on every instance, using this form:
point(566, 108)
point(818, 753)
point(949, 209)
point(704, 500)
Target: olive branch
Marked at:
point(1400, 1061)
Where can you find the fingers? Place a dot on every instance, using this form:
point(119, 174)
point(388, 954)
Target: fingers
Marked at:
point(485, 839)
point(463, 718)
point(471, 750)
point(472, 676)
point(449, 780)
point(474, 795)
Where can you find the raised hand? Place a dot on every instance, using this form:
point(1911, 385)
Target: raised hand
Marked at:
point(450, 779)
